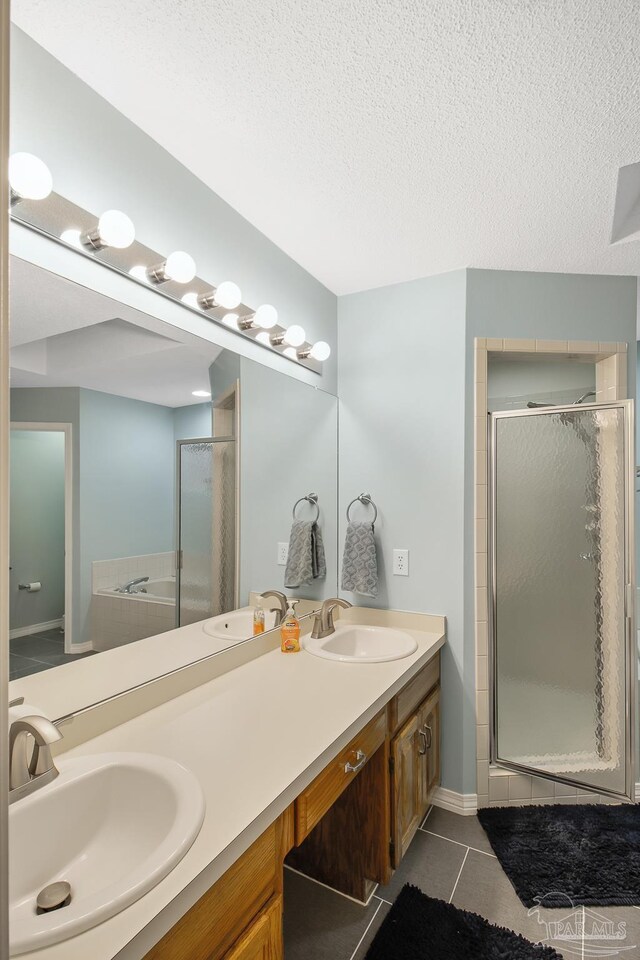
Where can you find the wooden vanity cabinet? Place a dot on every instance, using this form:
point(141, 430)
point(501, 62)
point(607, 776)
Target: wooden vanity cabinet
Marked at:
point(263, 939)
point(348, 828)
point(240, 917)
point(414, 758)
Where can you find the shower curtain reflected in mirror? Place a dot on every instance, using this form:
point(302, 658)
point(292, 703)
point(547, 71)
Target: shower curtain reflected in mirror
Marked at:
point(561, 562)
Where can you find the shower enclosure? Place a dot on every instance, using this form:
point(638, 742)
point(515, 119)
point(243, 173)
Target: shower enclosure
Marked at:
point(206, 574)
point(562, 594)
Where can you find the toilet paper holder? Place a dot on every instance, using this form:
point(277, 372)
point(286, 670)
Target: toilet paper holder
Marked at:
point(30, 587)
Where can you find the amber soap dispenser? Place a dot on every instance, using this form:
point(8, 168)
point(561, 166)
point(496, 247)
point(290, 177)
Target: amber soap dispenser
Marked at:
point(290, 631)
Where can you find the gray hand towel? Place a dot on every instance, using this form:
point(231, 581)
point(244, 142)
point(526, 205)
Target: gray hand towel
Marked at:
point(360, 563)
point(306, 561)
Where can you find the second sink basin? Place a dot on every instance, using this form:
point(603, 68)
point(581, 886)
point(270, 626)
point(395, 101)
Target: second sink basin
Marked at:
point(112, 825)
point(355, 643)
point(236, 625)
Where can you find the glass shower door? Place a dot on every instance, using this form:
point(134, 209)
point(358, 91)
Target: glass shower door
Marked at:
point(562, 594)
point(206, 569)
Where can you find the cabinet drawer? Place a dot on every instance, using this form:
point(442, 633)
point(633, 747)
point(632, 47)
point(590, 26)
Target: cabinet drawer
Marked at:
point(314, 802)
point(405, 702)
point(263, 939)
point(214, 923)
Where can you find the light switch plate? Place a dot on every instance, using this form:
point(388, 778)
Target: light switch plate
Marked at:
point(401, 563)
point(283, 554)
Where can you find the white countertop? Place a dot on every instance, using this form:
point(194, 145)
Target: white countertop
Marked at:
point(255, 737)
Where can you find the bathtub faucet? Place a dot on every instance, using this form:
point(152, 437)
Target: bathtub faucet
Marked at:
point(128, 587)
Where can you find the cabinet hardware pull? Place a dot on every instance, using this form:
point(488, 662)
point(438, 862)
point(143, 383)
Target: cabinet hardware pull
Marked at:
point(429, 738)
point(423, 737)
point(361, 757)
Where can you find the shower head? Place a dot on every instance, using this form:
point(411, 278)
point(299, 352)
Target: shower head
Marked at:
point(534, 404)
point(589, 393)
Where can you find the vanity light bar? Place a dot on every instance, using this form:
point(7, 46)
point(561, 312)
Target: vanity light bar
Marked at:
point(110, 239)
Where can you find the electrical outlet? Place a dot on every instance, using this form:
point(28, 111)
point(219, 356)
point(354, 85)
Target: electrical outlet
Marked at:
point(401, 563)
point(283, 554)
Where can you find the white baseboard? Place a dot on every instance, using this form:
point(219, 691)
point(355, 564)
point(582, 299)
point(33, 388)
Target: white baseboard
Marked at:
point(81, 647)
point(35, 628)
point(465, 804)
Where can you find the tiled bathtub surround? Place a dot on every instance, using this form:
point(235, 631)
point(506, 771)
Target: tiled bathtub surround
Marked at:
point(117, 619)
point(113, 573)
point(496, 786)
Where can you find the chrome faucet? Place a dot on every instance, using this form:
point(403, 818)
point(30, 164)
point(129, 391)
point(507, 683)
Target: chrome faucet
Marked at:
point(283, 604)
point(26, 775)
point(323, 625)
point(128, 587)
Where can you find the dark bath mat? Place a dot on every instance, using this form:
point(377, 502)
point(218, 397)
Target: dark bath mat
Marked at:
point(418, 927)
point(590, 853)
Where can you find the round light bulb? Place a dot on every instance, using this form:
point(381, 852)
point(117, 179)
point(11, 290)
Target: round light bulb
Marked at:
point(72, 237)
point(291, 352)
point(179, 266)
point(294, 335)
point(265, 316)
point(139, 272)
point(29, 177)
point(320, 350)
point(228, 295)
point(200, 393)
point(231, 320)
point(116, 229)
point(263, 337)
point(191, 300)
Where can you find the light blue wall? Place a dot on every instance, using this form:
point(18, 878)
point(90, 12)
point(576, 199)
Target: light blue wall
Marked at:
point(100, 160)
point(289, 447)
point(127, 471)
point(402, 410)
point(192, 421)
point(37, 525)
point(123, 478)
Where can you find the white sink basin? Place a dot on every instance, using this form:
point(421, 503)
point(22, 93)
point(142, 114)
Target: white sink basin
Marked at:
point(236, 625)
point(357, 644)
point(113, 825)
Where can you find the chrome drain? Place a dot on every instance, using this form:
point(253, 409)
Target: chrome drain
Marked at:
point(53, 897)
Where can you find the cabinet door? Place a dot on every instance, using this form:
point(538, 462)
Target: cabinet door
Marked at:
point(263, 939)
point(408, 764)
point(429, 721)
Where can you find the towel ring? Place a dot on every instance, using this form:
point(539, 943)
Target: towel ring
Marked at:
point(310, 498)
point(364, 498)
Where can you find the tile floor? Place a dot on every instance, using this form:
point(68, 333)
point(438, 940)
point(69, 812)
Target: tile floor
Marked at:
point(450, 858)
point(39, 651)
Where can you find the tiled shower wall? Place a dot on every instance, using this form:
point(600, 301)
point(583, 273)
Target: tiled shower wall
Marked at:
point(495, 786)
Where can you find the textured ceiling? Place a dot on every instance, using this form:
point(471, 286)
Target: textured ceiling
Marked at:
point(381, 140)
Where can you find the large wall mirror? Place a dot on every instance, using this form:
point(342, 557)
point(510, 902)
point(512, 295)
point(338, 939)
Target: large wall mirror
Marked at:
point(153, 483)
